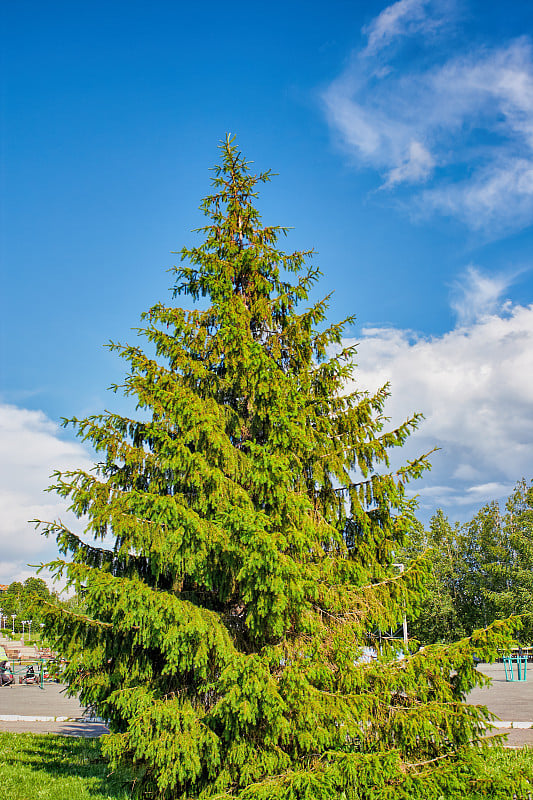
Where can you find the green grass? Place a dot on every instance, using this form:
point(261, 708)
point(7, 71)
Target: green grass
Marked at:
point(506, 767)
point(49, 767)
point(17, 636)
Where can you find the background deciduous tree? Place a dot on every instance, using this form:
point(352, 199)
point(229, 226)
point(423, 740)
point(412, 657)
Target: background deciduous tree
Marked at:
point(511, 588)
point(24, 600)
point(481, 571)
point(441, 619)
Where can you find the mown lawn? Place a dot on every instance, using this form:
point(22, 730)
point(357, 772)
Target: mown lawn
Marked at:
point(49, 767)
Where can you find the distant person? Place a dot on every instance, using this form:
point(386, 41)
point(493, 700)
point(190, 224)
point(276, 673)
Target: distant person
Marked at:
point(30, 676)
point(6, 676)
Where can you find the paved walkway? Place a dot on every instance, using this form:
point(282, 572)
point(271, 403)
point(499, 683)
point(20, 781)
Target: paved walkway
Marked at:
point(90, 730)
point(508, 700)
point(26, 651)
point(32, 709)
point(511, 701)
point(31, 700)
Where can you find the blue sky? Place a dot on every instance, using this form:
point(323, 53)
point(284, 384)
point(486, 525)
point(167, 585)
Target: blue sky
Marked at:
point(403, 139)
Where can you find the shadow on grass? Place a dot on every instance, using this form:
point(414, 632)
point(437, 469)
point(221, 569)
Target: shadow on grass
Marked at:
point(89, 730)
point(65, 757)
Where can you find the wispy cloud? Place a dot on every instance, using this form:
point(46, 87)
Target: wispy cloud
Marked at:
point(498, 196)
point(416, 167)
point(405, 17)
point(461, 124)
point(476, 295)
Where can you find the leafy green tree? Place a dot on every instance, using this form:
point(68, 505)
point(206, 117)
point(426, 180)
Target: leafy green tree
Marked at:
point(481, 571)
point(24, 600)
point(36, 587)
point(12, 598)
point(485, 555)
point(511, 588)
point(441, 619)
point(223, 630)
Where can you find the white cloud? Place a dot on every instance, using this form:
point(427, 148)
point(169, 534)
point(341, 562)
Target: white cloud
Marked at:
point(498, 196)
point(31, 448)
point(474, 385)
point(462, 123)
point(416, 167)
point(399, 19)
point(477, 295)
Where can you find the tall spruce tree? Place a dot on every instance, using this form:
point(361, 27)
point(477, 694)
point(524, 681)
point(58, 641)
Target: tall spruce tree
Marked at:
point(224, 627)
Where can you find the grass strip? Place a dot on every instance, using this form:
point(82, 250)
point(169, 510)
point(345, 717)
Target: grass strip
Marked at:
point(51, 767)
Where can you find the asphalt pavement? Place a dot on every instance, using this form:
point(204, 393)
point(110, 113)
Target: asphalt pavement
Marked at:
point(30, 709)
point(49, 710)
point(511, 701)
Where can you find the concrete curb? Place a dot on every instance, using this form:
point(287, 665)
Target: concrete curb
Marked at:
point(503, 723)
point(23, 718)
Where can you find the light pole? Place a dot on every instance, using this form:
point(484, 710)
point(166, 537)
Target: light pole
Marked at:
point(24, 621)
point(29, 628)
point(13, 617)
point(1, 618)
point(401, 567)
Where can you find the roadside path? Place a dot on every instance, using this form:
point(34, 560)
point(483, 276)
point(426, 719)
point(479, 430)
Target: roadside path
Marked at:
point(511, 701)
point(30, 709)
point(34, 710)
